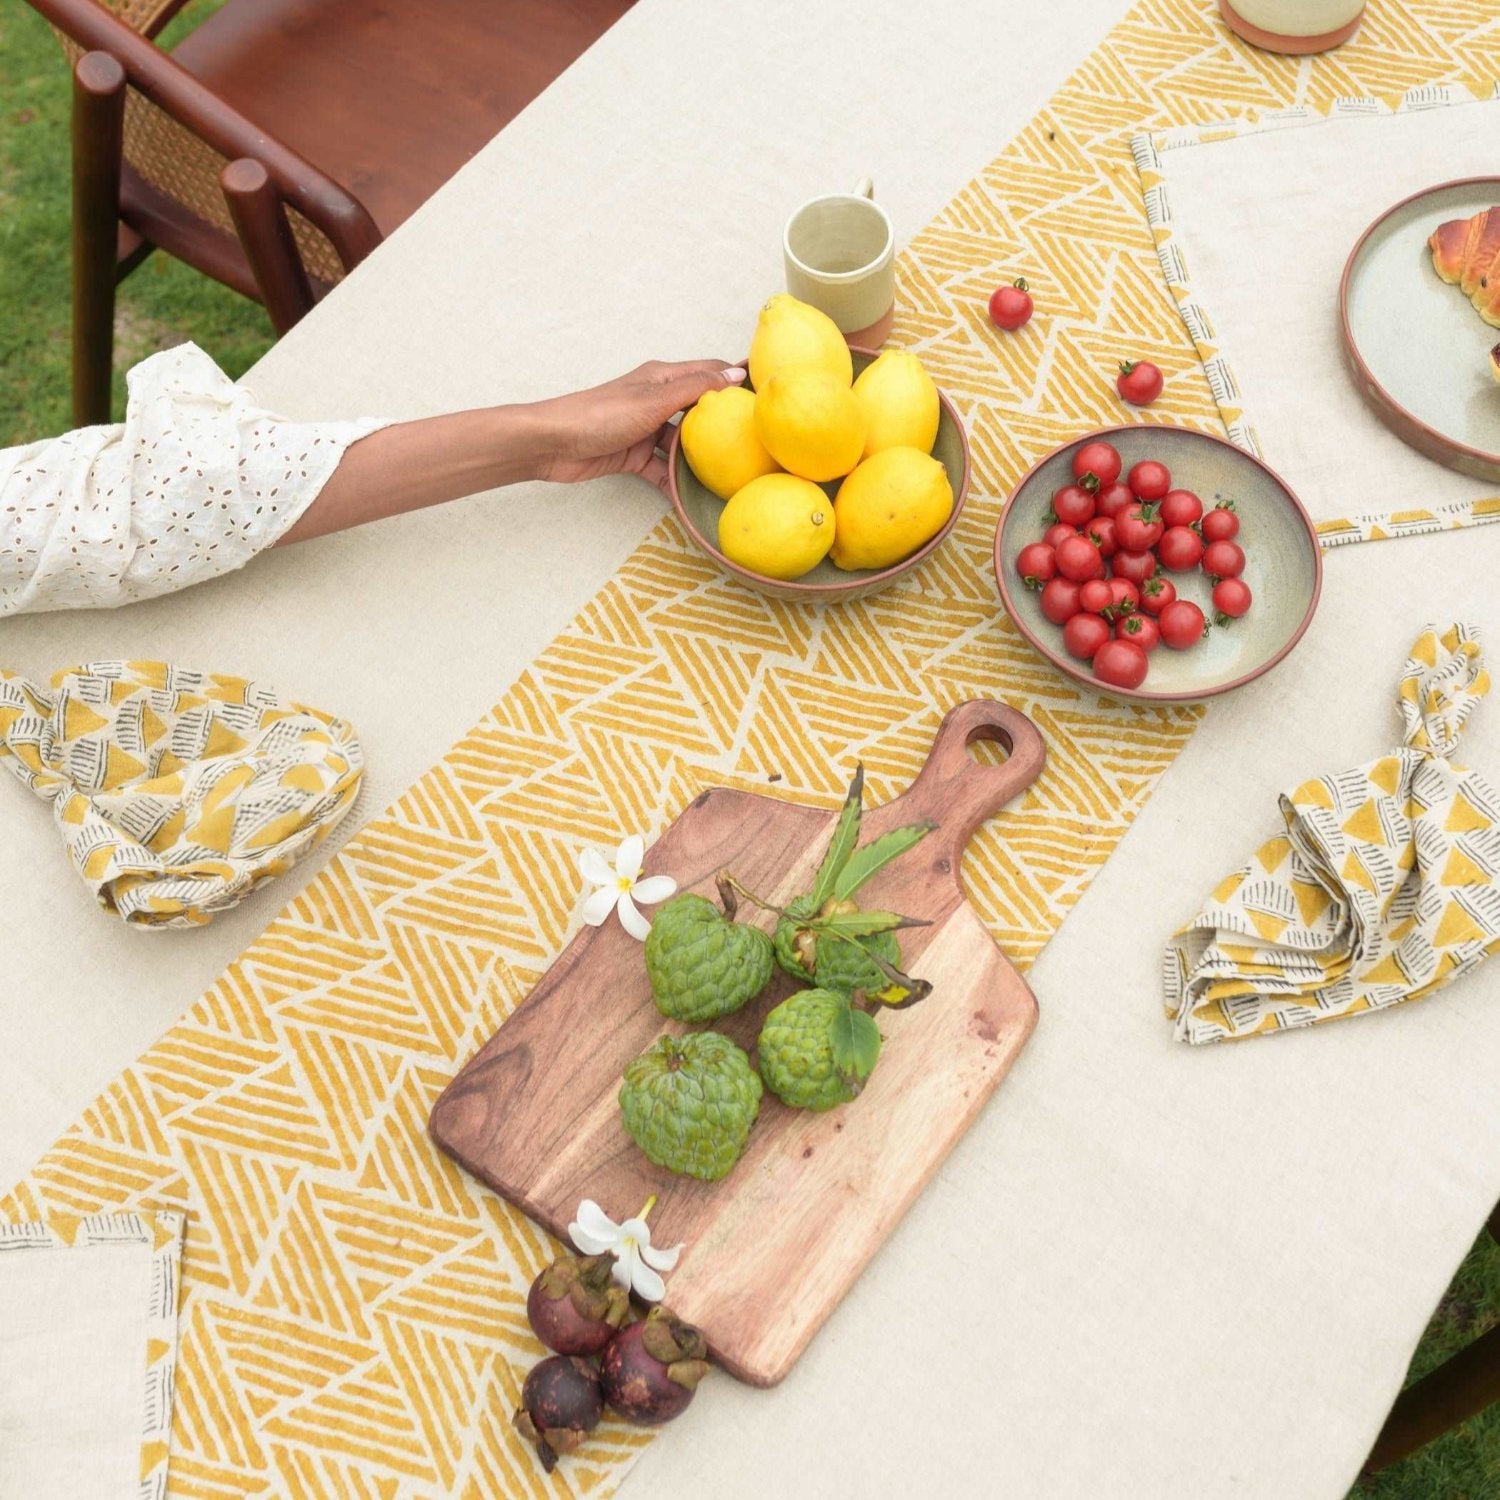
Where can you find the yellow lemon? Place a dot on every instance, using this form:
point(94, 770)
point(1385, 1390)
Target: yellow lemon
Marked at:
point(778, 525)
point(719, 441)
point(810, 424)
point(892, 503)
point(791, 335)
point(899, 401)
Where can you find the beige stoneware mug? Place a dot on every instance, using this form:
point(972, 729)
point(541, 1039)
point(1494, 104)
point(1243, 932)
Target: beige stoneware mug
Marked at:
point(840, 255)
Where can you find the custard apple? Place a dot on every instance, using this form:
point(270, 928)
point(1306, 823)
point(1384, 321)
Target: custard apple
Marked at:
point(844, 965)
point(787, 932)
point(816, 1051)
point(701, 965)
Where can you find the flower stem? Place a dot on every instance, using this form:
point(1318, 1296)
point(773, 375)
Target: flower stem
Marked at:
point(646, 1208)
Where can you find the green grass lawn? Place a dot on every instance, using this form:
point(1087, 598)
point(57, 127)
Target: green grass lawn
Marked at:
point(164, 303)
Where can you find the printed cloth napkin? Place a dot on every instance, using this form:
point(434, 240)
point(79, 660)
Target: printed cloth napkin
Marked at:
point(88, 1352)
point(177, 792)
point(1382, 888)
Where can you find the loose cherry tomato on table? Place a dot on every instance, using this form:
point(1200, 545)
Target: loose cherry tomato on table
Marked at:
point(1138, 527)
point(1149, 480)
point(1073, 505)
point(1124, 597)
point(1181, 508)
point(1139, 381)
point(1141, 629)
point(1098, 458)
point(1121, 663)
point(1011, 306)
point(1180, 548)
point(1055, 536)
point(1037, 564)
point(1078, 558)
point(1101, 532)
point(1095, 596)
point(1223, 559)
point(1182, 624)
point(1157, 594)
point(1059, 600)
point(1084, 634)
point(1221, 524)
point(1136, 566)
point(1112, 499)
point(1231, 598)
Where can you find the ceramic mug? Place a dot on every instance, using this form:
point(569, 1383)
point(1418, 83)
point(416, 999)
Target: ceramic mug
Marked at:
point(840, 253)
point(1293, 26)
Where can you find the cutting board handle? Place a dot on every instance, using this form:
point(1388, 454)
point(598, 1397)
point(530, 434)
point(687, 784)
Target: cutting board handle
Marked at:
point(956, 791)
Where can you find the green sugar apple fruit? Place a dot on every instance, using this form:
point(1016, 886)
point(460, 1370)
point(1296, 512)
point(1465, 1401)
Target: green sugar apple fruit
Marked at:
point(816, 1051)
point(689, 1103)
point(791, 939)
point(844, 964)
point(701, 965)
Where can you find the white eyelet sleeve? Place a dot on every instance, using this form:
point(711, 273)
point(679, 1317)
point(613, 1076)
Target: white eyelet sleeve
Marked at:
point(194, 482)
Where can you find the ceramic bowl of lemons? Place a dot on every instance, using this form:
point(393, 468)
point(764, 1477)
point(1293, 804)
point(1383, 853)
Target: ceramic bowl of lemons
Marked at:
point(700, 510)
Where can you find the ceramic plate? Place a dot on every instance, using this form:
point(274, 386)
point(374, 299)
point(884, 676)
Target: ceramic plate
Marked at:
point(1283, 562)
point(698, 509)
point(1417, 347)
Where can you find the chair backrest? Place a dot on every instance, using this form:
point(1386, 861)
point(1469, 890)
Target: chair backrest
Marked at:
point(178, 138)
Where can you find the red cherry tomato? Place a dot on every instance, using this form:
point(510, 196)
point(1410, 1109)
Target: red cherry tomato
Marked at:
point(1055, 536)
point(1231, 598)
point(1182, 624)
point(1084, 634)
point(1037, 564)
point(1099, 459)
point(1180, 548)
point(1141, 629)
point(1149, 480)
point(1011, 306)
point(1094, 596)
point(1136, 566)
point(1180, 508)
point(1060, 600)
point(1078, 558)
point(1156, 594)
point(1223, 559)
point(1101, 531)
point(1124, 597)
point(1138, 527)
point(1073, 505)
point(1139, 381)
point(1221, 524)
point(1121, 664)
point(1112, 499)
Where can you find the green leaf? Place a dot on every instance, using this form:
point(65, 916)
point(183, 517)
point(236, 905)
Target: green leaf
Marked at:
point(856, 1045)
point(856, 924)
point(845, 837)
point(876, 855)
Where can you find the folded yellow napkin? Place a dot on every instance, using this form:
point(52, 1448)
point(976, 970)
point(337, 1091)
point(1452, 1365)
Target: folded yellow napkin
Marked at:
point(1382, 889)
point(177, 792)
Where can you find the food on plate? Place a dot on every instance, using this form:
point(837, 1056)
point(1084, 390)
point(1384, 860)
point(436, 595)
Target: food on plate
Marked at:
point(574, 1306)
point(899, 401)
point(1223, 559)
point(689, 1102)
point(1037, 564)
point(702, 965)
point(1084, 634)
point(1182, 624)
point(1011, 305)
point(1495, 361)
point(792, 335)
point(778, 525)
point(720, 443)
point(1231, 599)
point(891, 504)
point(1221, 524)
point(1466, 254)
point(1181, 548)
point(1139, 381)
point(1073, 505)
point(1121, 663)
point(1099, 461)
point(817, 1049)
point(810, 423)
point(652, 1368)
point(561, 1403)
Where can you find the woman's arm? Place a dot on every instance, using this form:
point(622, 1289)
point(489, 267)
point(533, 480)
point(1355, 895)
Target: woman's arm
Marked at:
point(614, 428)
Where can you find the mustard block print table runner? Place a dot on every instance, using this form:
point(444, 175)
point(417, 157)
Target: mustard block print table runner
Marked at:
point(353, 1307)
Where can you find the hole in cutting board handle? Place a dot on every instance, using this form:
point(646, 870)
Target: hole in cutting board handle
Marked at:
point(988, 747)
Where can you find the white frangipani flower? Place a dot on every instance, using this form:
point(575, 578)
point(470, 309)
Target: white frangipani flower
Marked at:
point(637, 1260)
point(619, 889)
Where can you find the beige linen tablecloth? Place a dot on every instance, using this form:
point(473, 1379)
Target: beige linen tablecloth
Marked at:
point(1213, 1265)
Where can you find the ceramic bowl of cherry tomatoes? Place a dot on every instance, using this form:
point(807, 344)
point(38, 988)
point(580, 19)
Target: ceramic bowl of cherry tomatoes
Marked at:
point(1157, 563)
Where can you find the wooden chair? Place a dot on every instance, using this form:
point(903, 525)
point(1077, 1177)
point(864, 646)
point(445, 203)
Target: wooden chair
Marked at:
point(1442, 1399)
point(282, 139)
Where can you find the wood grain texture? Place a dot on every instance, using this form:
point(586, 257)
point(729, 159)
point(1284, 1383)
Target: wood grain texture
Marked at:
point(771, 1249)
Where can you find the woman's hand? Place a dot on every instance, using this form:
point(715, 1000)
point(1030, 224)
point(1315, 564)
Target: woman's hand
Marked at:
point(618, 427)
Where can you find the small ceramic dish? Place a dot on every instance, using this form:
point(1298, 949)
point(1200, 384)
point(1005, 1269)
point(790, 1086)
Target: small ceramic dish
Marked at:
point(698, 509)
point(1283, 562)
point(1416, 347)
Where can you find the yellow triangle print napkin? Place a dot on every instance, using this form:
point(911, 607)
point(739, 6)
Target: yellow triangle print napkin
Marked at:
point(177, 792)
point(1381, 889)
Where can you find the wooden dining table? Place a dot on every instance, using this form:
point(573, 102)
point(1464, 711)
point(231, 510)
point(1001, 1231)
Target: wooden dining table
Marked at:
point(1148, 1270)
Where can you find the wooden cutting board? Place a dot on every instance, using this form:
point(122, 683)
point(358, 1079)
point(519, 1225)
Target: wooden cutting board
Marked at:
point(771, 1249)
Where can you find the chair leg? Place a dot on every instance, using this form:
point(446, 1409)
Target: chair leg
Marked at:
point(261, 220)
point(98, 133)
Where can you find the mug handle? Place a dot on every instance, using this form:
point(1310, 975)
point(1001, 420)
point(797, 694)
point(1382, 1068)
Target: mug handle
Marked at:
point(864, 188)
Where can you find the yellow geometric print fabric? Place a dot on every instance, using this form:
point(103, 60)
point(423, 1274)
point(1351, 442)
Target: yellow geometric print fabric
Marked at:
point(1382, 888)
point(354, 1321)
point(177, 792)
